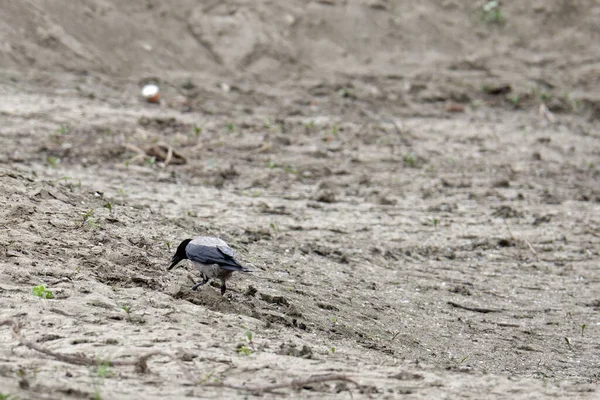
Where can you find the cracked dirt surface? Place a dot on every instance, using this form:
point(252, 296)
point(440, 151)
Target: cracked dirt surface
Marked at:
point(419, 251)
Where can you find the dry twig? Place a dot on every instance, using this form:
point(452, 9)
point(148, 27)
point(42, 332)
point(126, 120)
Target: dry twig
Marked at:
point(140, 363)
point(290, 384)
point(475, 309)
point(527, 242)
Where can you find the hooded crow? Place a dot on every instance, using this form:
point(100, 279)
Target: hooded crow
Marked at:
point(213, 257)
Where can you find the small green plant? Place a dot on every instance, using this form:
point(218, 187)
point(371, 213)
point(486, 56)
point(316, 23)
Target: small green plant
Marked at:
point(87, 215)
point(168, 245)
point(332, 350)
point(92, 223)
point(197, 130)
point(310, 125)
point(456, 362)
point(545, 97)
point(126, 308)
point(245, 351)
point(103, 369)
point(436, 222)
point(514, 100)
point(271, 164)
point(410, 160)
point(42, 292)
point(249, 336)
point(335, 130)
point(4, 396)
point(568, 341)
point(109, 206)
point(290, 170)
point(63, 130)
point(207, 377)
point(492, 12)
point(573, 103)
point(230, 127)
point(583, 329)
point(122, 194)
point(53, 161)
point(273, 227)
point(87, 219)
point(150, 161)
point(345, 92)
point(475, 104)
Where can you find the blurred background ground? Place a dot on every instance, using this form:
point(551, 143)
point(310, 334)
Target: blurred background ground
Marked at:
point(416, 185)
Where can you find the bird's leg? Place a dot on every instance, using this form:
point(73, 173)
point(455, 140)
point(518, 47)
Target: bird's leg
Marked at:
point(223, 287)
point(197, 285)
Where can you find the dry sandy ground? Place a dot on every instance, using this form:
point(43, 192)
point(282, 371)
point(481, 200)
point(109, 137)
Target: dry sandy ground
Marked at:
point(419, 198)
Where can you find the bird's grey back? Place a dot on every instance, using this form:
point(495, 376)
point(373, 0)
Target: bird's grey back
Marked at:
point(208, 241)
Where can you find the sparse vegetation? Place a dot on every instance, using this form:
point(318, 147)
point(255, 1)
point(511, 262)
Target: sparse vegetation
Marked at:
point(88, 220)
point(63, 130)
point(249, 336)
point(492, 12)
point(458, 362)
point(545, 97)
point(248, 348)
point(568, 341)
point(41, 292)
point(274, 227)
point(103, 371)
point(410, 160)
point(150, 161)
point(53, 161)
point(345, 92)
point(244, 350)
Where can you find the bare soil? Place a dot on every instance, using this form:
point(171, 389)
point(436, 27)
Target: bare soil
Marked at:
point(416, 188)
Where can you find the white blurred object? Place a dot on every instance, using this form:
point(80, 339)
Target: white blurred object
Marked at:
point(151, 93)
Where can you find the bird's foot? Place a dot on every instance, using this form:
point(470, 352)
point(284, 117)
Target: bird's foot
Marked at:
point(197, 285)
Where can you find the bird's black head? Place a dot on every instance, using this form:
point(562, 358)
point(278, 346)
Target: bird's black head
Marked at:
point(179, 254)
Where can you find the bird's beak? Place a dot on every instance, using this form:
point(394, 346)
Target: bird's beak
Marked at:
point(174, 261)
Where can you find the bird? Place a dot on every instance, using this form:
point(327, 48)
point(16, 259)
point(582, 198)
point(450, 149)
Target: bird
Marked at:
point(213, 257)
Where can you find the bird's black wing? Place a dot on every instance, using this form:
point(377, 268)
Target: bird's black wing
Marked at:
point(213, 255)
